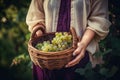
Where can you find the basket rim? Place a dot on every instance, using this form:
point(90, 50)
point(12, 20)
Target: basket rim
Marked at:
point(71, 48)
point(51, 53)
point(48, 34)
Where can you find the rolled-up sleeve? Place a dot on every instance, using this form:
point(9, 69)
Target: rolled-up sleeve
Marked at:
point(98, 19)
point(35, 14)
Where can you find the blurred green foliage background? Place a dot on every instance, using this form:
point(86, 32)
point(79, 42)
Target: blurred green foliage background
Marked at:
point(15, 63)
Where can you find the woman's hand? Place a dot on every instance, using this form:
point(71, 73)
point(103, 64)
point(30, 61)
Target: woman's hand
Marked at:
point(81, 49)
point(79, 53)
point(39, 31)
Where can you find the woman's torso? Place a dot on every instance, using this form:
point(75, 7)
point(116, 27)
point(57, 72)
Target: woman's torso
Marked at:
point(80, 10)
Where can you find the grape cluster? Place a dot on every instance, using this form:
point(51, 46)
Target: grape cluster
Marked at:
point(61, 41)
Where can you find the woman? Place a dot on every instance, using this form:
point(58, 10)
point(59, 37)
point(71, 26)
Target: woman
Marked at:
point(88, 17)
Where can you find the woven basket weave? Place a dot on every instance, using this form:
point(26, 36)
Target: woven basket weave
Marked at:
point(50, 60)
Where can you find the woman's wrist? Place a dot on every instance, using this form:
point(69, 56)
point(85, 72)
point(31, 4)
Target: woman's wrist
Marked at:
point(82, 44)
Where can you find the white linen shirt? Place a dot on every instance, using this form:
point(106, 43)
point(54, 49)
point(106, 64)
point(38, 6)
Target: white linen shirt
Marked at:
point(85, 14)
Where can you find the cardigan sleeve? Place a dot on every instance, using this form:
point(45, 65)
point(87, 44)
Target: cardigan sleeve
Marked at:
point(98, 18)
point(35, 14)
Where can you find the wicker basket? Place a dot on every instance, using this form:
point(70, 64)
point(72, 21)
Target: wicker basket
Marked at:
point(50, 60)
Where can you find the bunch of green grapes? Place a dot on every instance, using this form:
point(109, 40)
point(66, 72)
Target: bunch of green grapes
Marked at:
point(61, 41)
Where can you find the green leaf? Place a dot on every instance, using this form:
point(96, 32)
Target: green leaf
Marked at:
point(112, 71)
point(104, 71)
point(108, 72)
point(107, 51)
point(88, 66)
point(81, 71)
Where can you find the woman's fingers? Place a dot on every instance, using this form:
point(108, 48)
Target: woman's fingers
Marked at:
point(78, 50)
point(79, 53)
point(39, 33)
point(38, 30)
point(76, 60)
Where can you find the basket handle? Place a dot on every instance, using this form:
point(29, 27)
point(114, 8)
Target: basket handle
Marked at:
point(35, 30)
point(75, 38)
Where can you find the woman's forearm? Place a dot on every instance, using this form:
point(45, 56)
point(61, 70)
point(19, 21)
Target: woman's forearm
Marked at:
point(87, 37)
